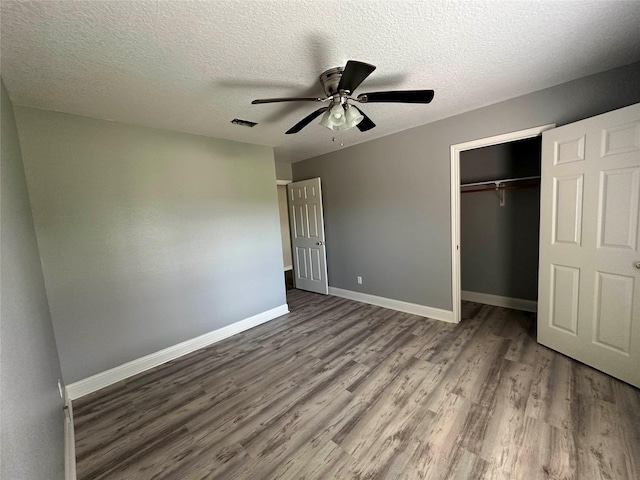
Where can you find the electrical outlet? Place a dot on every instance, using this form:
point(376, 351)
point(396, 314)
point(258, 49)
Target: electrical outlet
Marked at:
point(60, 389)
point(359, 280)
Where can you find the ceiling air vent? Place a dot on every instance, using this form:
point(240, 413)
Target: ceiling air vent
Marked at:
point(243, 123)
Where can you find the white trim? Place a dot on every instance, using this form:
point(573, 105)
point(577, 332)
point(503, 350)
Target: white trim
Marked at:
point(499, 301)
point(283, 182)
point(414, 308)
point(455, 199)
point(104, 379)
point(69, 441)
point(455, 228)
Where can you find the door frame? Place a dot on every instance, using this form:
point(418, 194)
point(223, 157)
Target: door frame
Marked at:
point(284, 183)
point(456, 286)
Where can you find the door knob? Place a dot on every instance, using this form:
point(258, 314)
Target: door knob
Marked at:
point(637, 265)
point(320, 243)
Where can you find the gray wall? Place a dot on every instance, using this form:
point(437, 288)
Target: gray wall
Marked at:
point(499, 245)
point(148, 238)
point(283, 171)
point(31, 408)
point(387, 201)
point(505, 160)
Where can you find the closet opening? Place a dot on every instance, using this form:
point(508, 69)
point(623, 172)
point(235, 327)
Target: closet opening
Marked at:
point(500, 224)
point(495, 220)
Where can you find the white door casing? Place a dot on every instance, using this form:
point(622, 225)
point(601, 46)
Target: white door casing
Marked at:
point(589, 280)
point(307, 236)
point(456, 150)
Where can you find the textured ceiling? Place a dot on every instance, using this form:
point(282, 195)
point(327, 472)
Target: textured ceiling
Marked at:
point(194, 66)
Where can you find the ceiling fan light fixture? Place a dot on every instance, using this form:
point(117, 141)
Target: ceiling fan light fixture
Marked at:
point(337, 116)
point(353, 116)
point(325, 121)
point(341, 117)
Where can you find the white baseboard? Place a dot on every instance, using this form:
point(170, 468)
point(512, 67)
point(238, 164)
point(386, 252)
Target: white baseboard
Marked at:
point(498, 301)
point(91, 384)
point(413, 308)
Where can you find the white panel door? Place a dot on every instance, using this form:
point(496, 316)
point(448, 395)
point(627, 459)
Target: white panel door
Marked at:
point(589, 284)
point(307, 236)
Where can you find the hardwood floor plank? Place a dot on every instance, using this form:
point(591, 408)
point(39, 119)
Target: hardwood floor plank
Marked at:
point(551, 399)
point(628, 402)
point(394, 341)
point(307, 411)
point(590, 383)
point(342, 390)
point(238, 414)
point(446, 348)
point(380, 420)
point(599, 441)
point(321, 465)
point(375, 388)
point(211, 463)
point(495, 421)
point(114, 443)
point(283, 448)
point(439, 442)
point(473, 368)
point(505, 427)
point(545, 452)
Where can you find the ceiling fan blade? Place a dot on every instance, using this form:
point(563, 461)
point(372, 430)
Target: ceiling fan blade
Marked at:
point(366, 123)
point(287, 99)
point(400, 96)
point(353, 75)
point(306, 121)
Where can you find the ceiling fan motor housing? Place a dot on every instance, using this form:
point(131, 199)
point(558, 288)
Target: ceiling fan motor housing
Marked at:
point(330, 80)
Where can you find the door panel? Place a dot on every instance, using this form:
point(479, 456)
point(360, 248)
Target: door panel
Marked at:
point(567, 209)
point(297, 221)
point(589, 286)
point(613, 301)
point(568, 150)
point(618, 209)
point(301, 263)
point(565, 284)
point(621, 139)
point(307, 236)
point(313, 220)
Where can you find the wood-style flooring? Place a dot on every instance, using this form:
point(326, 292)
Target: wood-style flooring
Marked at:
point(344, 390)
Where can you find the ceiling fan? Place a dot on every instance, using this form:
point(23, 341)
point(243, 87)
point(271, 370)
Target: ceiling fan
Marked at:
point(339, 84)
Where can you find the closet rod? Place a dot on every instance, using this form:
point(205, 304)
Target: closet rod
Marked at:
point(493, 189)
point(497, 182)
